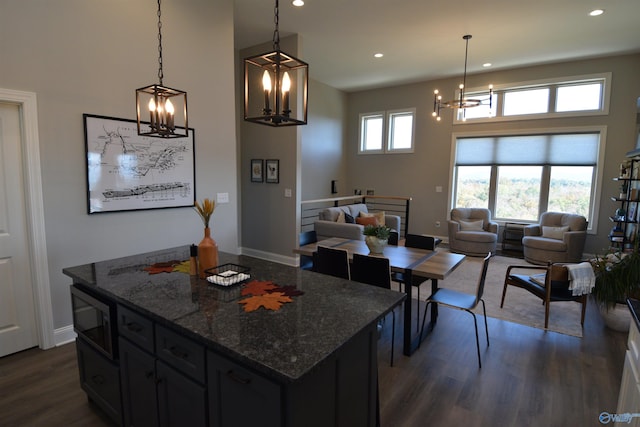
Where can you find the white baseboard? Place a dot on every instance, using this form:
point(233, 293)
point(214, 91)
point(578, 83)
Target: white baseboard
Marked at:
point(269, 256)
point(64, 335)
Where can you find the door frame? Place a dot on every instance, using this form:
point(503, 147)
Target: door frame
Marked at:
point(27, 103)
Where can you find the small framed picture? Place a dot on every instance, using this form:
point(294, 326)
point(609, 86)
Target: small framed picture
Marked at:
point(256, 170)
point(273, 171)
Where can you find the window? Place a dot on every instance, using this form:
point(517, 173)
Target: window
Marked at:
point(397, 138)
point(532, 101)
point(578, 96)
point(371, 126)
point(518, 177)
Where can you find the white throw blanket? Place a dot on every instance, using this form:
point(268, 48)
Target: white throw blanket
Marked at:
point(581, 278)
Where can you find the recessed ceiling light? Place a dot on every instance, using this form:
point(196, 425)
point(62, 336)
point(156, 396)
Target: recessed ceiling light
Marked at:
point(297, 3)
point(487, 64)
point(596, 12)
point(378, 55)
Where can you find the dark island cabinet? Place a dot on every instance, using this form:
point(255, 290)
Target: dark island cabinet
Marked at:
point(162, 374)
point(99, 379)
point(239, 397)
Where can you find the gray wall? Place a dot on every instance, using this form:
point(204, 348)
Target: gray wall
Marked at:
point(89, 57)
point(416, 175)
point(324, 144)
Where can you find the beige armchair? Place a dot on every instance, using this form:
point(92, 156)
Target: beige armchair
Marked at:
point(471, 231)
point(559, 237)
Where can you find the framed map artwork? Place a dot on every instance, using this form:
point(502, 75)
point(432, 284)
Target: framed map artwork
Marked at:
point(126, 171)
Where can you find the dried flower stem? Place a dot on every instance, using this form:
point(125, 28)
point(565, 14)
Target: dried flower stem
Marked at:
point(205, 210)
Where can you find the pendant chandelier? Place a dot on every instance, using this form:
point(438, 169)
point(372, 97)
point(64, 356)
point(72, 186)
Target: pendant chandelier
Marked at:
point(461, 102)
point(165, 108)
point(275, 86)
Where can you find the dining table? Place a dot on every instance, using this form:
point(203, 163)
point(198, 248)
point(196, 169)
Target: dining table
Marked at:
point(426, 264)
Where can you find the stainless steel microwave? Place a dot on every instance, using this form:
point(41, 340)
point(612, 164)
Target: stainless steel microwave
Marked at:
point(94, 320)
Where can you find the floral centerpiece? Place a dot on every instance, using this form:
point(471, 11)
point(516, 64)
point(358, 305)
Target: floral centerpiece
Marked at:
point(207, 248)
point(617, 277)
point(376, 237)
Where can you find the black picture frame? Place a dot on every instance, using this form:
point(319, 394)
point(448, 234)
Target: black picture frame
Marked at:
point(257, 170)
point(127, 172)
point(272, 168)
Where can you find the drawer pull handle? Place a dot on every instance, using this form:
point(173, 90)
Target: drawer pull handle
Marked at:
point(133, 327)
point(149, 375)
point(178, 352)
point(237, 378)
point(97, 379)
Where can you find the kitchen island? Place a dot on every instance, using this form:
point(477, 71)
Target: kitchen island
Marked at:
point(188, 353)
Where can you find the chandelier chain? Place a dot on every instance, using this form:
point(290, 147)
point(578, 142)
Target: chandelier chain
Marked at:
point(160, 72)
point(276, 32)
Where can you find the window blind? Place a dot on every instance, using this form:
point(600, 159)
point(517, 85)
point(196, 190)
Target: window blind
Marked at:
point(575, 149)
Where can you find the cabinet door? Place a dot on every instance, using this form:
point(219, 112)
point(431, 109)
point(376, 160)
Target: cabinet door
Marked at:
point(182, 402)
point(241, 398)
point(100, 379)
point(138, 378)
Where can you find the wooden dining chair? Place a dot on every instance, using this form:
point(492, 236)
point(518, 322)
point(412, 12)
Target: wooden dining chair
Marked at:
point(374, 271)
point(331, 261)
point(463, 301)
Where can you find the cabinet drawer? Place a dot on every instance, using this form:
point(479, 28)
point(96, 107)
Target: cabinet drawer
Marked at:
point(137, 328)
point(182, 353)
point(233, 389)
point(100, 379)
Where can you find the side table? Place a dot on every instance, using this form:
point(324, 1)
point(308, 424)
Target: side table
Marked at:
point(512, 235)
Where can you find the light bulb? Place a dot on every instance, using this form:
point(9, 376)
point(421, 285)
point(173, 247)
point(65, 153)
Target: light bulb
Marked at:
point(266, 81)
point(286, 82)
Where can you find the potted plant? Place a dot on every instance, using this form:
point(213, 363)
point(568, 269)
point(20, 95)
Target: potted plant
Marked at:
point(376, 237)
point(617, 278)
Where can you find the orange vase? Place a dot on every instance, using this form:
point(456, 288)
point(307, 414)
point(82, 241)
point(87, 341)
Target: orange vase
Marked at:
point(207, 253)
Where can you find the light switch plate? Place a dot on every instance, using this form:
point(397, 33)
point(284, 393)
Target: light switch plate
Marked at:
point(222, 198)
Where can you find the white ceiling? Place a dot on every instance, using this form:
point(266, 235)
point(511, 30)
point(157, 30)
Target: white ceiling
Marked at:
point(422, 39)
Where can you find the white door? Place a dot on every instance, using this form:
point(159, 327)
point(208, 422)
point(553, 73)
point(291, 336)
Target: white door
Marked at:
point(17, 316)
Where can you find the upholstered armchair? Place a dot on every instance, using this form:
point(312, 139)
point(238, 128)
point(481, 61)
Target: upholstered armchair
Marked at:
point(559, 237)
point(471, 231)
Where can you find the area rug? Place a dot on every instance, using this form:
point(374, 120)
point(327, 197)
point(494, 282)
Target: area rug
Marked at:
point(519, 306)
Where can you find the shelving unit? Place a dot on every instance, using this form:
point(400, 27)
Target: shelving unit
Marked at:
point(626, 216)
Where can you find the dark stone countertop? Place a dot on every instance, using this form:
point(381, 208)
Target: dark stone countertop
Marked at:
point(284, 344)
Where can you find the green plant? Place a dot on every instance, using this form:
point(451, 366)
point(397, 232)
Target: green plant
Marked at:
point(617, 277)
point(380, 231)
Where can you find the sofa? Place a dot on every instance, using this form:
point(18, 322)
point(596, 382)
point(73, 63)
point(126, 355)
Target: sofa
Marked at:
point(340, 221)
point(559, 237)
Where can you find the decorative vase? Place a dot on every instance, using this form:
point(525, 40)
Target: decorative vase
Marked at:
point(375, 245)
point(207, 253)
point(617, 317)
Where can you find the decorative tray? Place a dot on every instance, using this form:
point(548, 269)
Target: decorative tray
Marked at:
point(227, 274)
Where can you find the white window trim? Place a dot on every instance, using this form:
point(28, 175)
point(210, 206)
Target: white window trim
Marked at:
point(592, 226)
point(386, 132)
point(605, 77)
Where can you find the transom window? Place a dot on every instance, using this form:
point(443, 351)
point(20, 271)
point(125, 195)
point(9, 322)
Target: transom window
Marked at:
point(577, 96)
point(387, 132)
point(518, 177)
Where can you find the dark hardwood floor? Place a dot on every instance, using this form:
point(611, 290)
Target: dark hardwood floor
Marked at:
point(528, 378)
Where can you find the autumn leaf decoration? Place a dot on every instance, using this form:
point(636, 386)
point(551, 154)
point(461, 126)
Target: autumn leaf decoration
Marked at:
point(266, 294)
